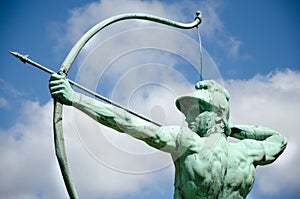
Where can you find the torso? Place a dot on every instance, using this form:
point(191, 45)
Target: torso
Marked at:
point(212, 167)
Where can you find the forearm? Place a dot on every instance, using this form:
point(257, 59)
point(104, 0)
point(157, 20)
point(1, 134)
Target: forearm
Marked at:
point(100, 112)
point(113, 117)
point(252, 132)
point(264, 145)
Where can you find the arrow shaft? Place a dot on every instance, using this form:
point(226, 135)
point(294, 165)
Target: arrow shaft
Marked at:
point(25, 59)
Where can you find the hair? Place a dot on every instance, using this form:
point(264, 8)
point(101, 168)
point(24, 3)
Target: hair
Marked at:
point(222, 124)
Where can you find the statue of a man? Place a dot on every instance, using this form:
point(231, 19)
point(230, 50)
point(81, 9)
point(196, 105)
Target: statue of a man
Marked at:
point(207, 165)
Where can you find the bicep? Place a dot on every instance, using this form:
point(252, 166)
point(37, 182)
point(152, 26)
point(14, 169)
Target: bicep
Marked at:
point(171, 139)
point(264, 152)
point(162, 138)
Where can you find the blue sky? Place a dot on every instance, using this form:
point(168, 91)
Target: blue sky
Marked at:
point(255, 45)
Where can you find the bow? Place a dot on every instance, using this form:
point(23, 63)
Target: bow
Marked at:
point(65, 67)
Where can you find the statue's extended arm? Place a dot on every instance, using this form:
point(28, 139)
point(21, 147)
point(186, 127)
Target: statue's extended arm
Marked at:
point(163, 138)
point(252, 132)
point(264, 144)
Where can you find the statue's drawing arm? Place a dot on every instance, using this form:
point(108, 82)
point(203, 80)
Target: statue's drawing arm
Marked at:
point(264, 145)
point(163, 138)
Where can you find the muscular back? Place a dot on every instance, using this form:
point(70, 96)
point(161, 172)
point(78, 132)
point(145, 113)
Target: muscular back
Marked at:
point(199, 173)
point(212, 167)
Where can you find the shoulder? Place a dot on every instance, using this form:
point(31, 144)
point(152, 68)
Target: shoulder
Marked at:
point(182, 137)
point(246, 151)
point(188, 141)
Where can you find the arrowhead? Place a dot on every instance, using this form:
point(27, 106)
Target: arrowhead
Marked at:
point(23, 58)
point(13, 53)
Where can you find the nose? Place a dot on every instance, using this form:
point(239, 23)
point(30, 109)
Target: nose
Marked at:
point(189, 120)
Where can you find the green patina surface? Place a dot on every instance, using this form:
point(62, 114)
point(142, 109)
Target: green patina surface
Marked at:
point(207, 165)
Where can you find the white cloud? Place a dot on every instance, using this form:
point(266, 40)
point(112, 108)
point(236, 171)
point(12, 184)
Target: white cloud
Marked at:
point(272, 101)
point(212, 28)
point(128, 50)
point(28, 161)
point(28, 167)
point(83, 18)
point(6, 88)
point(235, 47)
point(3, 103)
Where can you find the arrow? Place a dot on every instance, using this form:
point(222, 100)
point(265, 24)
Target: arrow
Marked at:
point(25, 59)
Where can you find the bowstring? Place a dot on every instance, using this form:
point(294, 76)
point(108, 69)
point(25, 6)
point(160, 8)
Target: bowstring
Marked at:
point(200, 51)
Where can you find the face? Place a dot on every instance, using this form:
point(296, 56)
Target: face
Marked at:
point(200, 123)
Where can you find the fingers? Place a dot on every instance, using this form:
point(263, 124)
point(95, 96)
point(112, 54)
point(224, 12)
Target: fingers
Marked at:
point(60, 89)
point(62, 93)
point(203, 85)
point(56, 76)
point(57, 79)
point(57, 94)
point(56, 82)
point(55, 87)
point(56, 91)
point(59, 85)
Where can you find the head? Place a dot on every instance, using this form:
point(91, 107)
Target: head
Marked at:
point(206, 123)
point(208, 104)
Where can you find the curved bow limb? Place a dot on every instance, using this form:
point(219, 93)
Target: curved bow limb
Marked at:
point(60, 150)
point(95, 29)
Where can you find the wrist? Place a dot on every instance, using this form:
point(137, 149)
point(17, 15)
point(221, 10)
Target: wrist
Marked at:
point(76, 98)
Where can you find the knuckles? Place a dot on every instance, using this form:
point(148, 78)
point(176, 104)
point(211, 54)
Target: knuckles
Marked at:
point(60, 89)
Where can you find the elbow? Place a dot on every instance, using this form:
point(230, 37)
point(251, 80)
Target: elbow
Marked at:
point(282, 141)
point(281, 145)
point(278, 139)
